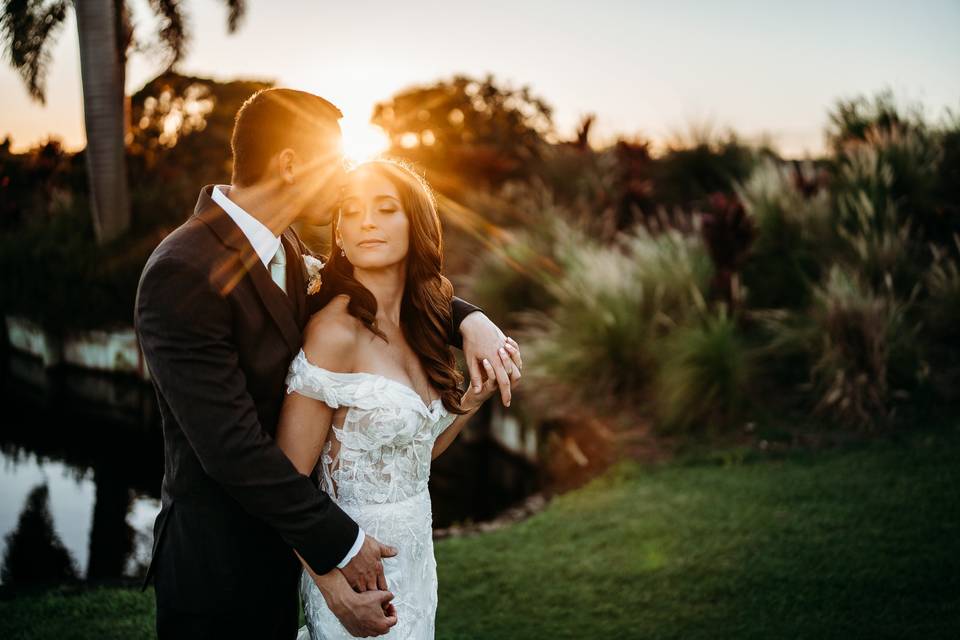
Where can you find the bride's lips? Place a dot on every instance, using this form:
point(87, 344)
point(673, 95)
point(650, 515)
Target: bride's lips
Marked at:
point(370, 243)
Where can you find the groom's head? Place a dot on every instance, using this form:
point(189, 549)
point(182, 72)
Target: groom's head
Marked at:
point(288, 142)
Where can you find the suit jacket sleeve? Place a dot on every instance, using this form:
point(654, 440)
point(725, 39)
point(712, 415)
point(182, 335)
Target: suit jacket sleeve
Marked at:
point(459, 309)
point(184, 326)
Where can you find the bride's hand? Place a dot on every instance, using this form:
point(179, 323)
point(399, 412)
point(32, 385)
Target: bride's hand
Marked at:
point(472, 399)
point(483, 339)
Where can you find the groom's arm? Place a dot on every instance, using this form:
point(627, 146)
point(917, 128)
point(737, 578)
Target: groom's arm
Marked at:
point(459, 310)
point(185, 326)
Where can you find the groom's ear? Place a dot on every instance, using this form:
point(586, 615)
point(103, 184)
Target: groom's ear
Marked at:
point(285, 165)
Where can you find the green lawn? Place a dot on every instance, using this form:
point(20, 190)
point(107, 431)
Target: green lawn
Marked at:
point(862, 542)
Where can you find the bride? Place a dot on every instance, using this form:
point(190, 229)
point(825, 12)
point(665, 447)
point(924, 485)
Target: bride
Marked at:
point(374, 394)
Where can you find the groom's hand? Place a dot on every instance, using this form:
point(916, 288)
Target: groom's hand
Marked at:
point(367, 614)
point(364, 572)
point(362, 614)
point(483, 340)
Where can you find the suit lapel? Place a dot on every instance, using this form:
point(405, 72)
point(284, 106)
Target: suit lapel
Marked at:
point(296, 275)
point(246, 263)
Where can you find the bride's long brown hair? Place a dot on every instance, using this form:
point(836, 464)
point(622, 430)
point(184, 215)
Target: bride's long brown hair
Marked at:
point(425, 308)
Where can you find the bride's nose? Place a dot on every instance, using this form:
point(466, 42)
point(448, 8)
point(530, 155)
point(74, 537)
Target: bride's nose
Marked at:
point(367, 221)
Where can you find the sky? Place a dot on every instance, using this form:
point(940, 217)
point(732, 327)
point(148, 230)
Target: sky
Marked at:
point(768, 70)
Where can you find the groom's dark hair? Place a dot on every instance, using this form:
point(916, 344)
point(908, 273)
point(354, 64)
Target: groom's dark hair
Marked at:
point(275, 119)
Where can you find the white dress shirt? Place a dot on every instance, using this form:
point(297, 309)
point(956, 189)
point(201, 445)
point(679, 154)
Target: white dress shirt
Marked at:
point(266, 245)
point(261, 238)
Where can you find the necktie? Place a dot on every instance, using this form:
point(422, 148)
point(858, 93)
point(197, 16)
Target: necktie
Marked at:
point(278, 268)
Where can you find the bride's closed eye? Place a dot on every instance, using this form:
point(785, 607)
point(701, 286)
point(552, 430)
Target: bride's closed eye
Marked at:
point(355, 209)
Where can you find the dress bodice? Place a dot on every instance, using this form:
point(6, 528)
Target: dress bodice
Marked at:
point(385, 436)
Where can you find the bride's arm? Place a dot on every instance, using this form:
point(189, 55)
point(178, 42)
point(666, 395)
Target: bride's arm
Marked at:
point(302, 430)
point(470, 402)
point(329, 343)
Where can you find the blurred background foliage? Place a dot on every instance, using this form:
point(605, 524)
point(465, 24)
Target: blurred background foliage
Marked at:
point(688, 288)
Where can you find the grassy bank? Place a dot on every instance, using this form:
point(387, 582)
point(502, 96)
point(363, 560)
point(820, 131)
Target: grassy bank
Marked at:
point(859, 542)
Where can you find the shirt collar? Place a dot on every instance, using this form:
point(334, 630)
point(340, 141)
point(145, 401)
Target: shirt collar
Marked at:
point(261, 238)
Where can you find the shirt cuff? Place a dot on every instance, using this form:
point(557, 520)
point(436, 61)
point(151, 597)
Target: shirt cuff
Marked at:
point(354, 550)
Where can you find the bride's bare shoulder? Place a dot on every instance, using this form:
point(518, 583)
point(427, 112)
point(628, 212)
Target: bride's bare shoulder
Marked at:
point(332, 336)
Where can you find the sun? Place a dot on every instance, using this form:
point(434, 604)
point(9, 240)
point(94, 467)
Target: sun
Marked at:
point(362, 141)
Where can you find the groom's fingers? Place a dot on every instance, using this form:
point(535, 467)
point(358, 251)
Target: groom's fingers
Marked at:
point(510, 365)
point(515, 358)
point(389, 611)
point(386, 551)
point(515, 353)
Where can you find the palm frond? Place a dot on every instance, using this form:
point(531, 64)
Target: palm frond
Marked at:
point(173, 29)
point(238, 9)
point(28, 29)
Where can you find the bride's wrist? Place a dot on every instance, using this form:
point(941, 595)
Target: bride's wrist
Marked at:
point(468, 403)
point(327, 584)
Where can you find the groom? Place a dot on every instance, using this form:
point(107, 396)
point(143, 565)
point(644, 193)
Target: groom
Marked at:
point(219, 313)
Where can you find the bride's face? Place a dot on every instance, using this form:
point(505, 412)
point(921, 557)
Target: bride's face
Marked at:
point(373, 228)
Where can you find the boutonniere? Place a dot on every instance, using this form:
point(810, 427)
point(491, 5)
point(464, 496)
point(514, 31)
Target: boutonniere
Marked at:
point(314, 269)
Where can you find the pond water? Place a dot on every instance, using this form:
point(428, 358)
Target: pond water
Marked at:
point(81, 461)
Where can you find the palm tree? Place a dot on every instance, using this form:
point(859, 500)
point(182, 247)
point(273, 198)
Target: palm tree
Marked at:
point(28, 29)
point(102, 75)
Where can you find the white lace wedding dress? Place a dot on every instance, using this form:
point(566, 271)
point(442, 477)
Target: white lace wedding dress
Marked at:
point(376, 465)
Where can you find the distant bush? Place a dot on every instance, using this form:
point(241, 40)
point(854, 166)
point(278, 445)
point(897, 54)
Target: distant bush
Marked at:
point(56, 274)
point(701, 164)
point(792, 228)
point(51, 269)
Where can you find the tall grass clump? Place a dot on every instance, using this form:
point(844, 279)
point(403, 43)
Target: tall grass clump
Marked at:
point(940, 312)
point(597, 346)
point(891, 155)
point(858, 343)
point(876, 231)
point(704, 376)
point(518, 275)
